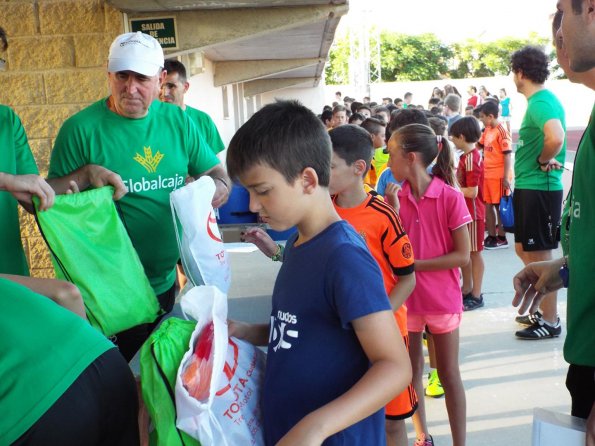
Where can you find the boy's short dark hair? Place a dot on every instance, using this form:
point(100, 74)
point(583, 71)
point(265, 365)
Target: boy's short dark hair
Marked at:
point(355, 105)
point(532, 62)
point(339, 108)
point(285, 136)
point(356, 117)
point(374, 126)
point(351, 143)
point(408, 95)
point(489, 108)
point(468, 128)
point(175, 66)
point(434, 101)
point(437, 110)
point(326, 115)
point(364, 107)
point(400, 118)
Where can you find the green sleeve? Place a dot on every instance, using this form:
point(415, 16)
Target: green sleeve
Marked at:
point(201, 157)
point(25, 163)
point(213, 136)
point(67, 154)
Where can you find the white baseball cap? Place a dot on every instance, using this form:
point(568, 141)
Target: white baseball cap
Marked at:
point(138, 52)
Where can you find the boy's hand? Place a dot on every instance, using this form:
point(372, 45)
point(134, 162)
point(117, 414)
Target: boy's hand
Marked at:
point(255, 334)
point(505, 183)
point(237, 329)
point(261, 239)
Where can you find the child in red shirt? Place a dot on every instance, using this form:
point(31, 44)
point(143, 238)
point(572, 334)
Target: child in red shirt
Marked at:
point(464, 134)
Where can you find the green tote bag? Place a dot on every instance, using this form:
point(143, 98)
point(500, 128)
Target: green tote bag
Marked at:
point(91, 248)
point(160, 358)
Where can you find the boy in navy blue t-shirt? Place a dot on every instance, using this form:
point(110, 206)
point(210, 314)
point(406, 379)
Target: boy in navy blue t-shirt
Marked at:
point(335, 355)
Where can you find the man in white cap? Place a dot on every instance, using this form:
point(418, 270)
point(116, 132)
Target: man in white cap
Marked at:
point(153, 146)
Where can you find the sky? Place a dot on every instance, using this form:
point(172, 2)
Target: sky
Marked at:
point(455, 20)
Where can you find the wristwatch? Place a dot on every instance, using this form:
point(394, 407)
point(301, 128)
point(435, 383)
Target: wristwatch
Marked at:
point(565, 273)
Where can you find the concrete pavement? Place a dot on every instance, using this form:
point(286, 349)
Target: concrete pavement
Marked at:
point(505, 378)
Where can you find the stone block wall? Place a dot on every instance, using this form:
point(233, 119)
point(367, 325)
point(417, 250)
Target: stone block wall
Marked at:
point(56, 62)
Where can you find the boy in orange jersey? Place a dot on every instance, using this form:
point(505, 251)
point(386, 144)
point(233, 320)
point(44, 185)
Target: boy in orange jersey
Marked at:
point(381, 229)
point(497, 149)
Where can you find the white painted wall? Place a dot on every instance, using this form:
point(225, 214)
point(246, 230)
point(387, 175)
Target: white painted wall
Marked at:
point(203, 95)
point(576, 99)
point(313, 98)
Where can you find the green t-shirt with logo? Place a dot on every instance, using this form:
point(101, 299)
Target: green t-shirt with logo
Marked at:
point(579, 347)
point(207, 128)
point(44, 348)
point(153, 155)
point(541, 107)
point(16, 159)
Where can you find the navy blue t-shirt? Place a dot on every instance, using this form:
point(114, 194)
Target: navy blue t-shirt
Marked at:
point(314, 355)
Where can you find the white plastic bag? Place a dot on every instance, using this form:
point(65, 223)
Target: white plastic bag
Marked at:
point(230, 416)
point(203, 255)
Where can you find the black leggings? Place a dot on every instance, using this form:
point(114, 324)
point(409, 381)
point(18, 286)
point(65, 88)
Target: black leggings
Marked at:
point(99, 409)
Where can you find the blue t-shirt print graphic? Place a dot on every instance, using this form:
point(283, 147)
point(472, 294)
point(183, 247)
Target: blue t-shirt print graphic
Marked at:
point(283, 330)
point(314, 355)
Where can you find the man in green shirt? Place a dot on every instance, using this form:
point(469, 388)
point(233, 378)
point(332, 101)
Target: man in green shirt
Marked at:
point(539, 160)
point(153, 146)
point(575, 47)
point(20, 180)
point(173, 90)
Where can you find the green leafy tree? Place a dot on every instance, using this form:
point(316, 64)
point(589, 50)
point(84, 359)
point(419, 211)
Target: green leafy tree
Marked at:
point(425, 57)
point(412, 58)
point(480, 59)
point(337, 67)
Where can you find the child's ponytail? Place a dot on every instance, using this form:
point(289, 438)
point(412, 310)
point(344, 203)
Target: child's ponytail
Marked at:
point(444, 167)
point(422, 139)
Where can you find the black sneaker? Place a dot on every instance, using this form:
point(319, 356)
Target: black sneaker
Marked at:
point(529, 319)
point(540, 330)
point(490, 242)
point(501, 242)
point(495, 243)
point(471, 302)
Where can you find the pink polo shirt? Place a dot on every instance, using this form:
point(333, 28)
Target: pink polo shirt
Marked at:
point(429, 223)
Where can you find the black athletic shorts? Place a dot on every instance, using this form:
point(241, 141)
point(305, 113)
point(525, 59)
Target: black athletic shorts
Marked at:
point(537, 218)
point(130, 341)
point(100, 408)
point(580, 382)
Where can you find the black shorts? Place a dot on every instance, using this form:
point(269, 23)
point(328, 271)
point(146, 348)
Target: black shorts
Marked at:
point(537, 218)
point(100, 408)
point(580, 382)
point(131, 340)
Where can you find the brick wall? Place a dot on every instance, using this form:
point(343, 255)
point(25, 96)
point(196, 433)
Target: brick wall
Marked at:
point(55, 67)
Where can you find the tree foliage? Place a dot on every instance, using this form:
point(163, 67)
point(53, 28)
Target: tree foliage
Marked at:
point(425, 57)
point(412, 58)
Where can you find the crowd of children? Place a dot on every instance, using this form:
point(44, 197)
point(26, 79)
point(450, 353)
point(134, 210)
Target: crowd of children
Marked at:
point(411, 189)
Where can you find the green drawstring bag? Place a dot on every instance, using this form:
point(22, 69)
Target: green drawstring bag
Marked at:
point(91, 248)
point(160, 358)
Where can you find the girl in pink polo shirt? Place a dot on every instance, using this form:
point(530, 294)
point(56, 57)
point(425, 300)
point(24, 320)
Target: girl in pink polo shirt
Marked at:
point(435, 217)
